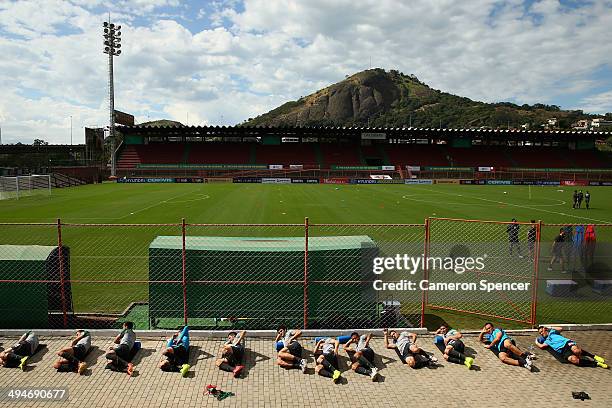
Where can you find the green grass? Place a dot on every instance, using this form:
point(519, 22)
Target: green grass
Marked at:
point(121, 253)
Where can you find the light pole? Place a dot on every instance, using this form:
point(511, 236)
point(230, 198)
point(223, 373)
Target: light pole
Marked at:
point(112, 45)
point(70, 130)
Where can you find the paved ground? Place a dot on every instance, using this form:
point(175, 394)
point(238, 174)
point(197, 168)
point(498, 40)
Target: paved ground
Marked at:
point(265, 384)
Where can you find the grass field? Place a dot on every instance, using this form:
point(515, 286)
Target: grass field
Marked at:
point(101, 253)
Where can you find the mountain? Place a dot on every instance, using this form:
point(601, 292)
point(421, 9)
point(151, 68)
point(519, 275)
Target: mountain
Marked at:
point(376, 97)
point(161, 122)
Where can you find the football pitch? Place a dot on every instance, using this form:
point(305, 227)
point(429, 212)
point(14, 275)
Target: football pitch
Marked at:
point(271, 203)
point(114, 253)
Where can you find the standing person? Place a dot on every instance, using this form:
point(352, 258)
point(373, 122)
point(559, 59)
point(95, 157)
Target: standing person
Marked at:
point(72, 357)
point(326, 353)
point(557, 251)
point(290, 356)
point(575, 199)
point(119, 355)
point(449, 343)
point(232, 354)
point(580, 198)
point(578, 248)
point(531, 239)
point(587, 199)
point(406, 348)
point(513, 236)
point(504, 346)
point(590, 241)
point(567, 349)
point(176, 355)
point(18, 354)
point(362, 356)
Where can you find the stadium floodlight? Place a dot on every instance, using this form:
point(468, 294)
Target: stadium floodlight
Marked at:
point(112, 45)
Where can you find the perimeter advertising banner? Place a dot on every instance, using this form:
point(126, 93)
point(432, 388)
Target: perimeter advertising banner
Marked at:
point(335, 180)
point(273, 180)
point(146, 180)
point(418, 181)
point(246, 180)
point(574, 183)
point(600, 183)
point(499, 182)
point(305, 181)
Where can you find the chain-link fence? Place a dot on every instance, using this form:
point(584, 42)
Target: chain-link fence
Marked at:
point(220, 276)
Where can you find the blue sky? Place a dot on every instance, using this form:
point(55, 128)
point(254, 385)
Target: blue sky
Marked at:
point(222, 62)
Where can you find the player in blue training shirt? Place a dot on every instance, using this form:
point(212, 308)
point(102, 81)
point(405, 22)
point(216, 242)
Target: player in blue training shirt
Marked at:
point(504, 347)
point(567, 349)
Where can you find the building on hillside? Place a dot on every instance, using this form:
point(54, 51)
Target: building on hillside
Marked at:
point(601, 124)
point(582, 124)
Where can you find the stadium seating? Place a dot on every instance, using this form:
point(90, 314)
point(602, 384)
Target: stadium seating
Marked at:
point(417, 155)
point(287, 153)
point(494, 156)
point(220, 153)
point(338, 154)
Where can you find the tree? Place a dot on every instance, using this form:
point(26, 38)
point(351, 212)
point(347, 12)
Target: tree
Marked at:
point(39, 142)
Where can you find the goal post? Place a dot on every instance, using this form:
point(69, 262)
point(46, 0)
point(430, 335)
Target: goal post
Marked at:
point(22, 186)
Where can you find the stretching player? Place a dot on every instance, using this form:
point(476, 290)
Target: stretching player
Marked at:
point(290, 356)
point(406, 348)
point(450, 344)
point(362, 356)
point(232, 354)
point(119, 355)
point(567, 349)
point(326, 353)
point(501, 344)
point(18, 353)
point(71, 357)
point(176, 355)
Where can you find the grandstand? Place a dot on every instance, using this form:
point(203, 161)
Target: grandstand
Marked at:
point(337, 151)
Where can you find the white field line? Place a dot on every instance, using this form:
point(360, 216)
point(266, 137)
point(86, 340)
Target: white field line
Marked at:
point(521, 206)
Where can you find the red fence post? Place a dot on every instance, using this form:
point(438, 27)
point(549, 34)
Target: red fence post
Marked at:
point(60, 256)
point(306, 273)
point(184, 253)
point(425, 271)
point(536, 269)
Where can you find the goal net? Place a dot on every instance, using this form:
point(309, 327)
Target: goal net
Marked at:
point(23, 186)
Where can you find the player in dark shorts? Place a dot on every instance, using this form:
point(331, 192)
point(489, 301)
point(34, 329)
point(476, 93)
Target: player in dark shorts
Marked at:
point(575, 199)
point(587, 200)
point(449, 343)
point(72, 357)
point(18, 354)
point(176, 355)
point(531, 239)
point(232, 354)
point(405, 346)
point(119, 355)
point(326, 357)
point(513, 237)
point(580, 198)
point(567, 349)
point(290, 356)
point(504, 347)
point(558, 251)
point(362, 355)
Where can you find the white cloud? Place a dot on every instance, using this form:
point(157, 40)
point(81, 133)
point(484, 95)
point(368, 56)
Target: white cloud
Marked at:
point(254, 57)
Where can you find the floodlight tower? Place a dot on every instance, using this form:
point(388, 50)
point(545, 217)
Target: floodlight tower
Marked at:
point(112, 45)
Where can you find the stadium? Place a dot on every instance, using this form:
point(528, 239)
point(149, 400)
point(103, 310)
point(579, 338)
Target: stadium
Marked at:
point(254, 258)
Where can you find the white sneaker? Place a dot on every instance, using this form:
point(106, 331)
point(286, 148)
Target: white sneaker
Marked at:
point(528, 364)
point(374, 374)
point(303, 366)
point(549, 268)
point(433, 359)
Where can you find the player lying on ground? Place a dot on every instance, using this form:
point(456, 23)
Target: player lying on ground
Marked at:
point(404, 344)
point(72, 357)
point(290, 356)
point(567, 349)
point(505, 347)
point(176, 354)
point(326, 357)
point(18, 353)
point(119, 355)
point(232, 354)
point(450, 344)
point(362, 355)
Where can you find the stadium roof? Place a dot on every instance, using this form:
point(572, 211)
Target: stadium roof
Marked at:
point(356, 132)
